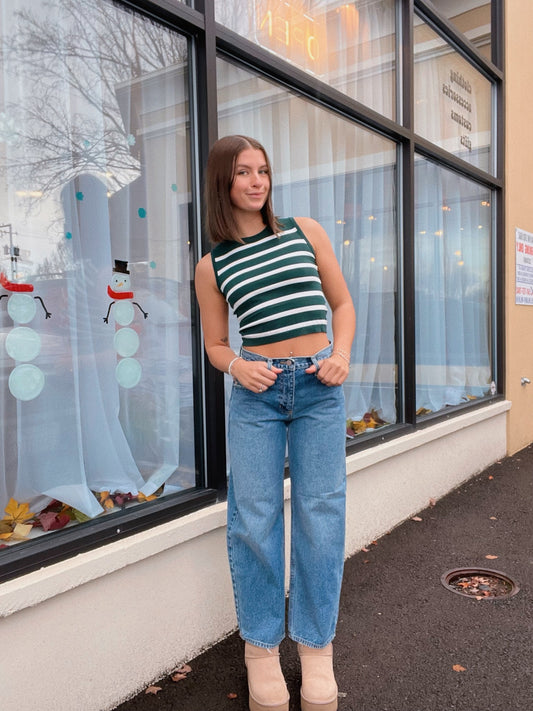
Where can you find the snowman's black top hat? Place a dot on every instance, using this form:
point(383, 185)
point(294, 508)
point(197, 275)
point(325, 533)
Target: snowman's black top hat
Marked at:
point(121, 267)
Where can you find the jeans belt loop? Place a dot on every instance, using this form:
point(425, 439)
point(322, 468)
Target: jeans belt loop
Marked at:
point(315, 363)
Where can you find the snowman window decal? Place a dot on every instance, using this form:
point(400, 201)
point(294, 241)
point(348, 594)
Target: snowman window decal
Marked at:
point(126, 340)
point(23, 344)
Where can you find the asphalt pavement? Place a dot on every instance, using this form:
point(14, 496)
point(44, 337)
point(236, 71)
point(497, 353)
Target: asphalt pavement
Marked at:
point(405, 641)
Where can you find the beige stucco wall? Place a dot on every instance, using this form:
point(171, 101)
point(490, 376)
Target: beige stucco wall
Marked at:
point(519, 213)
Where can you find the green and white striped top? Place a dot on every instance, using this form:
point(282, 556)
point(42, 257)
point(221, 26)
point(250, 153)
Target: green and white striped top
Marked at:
point(271, 282)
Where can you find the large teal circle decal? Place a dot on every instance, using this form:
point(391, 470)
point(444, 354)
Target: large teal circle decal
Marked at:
point(126, 342)
point(23, 343)
point(128, 372)
point(123, 312)
point(26, 381)
point(21, 307)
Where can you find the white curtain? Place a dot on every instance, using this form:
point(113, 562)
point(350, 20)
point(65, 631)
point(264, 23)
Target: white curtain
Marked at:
point(452, 286)
point(94, 187)
point(343, 176)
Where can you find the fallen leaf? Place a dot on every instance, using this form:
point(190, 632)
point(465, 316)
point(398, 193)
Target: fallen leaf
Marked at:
point(152, 690)
point(6, 528)
point(105, 500)
point(491, 477)
point(433, 502)
point(21, 531)
point(491, 557)
point(422, 411)
point(121, 499)
point(416, 518)
point(181, 672)
point(458, 668)
point(17, 513)
point(232, 695)
point(493, 518)
point(184, 669)
point(365, 550)
point(79, 516)
point(142, 497)
point(51, 521)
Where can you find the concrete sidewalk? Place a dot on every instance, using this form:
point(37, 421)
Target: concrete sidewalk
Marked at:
point(400, 631)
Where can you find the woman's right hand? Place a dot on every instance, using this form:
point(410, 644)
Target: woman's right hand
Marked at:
point(254, 375)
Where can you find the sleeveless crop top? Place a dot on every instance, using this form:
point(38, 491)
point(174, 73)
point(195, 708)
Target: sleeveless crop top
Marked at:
point(271, 282)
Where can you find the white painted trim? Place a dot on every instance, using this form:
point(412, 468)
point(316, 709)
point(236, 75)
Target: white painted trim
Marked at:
point(405, 443)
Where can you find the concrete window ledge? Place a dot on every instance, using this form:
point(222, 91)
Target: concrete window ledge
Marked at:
point(384, 461)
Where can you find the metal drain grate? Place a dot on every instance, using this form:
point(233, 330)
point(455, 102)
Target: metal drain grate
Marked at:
point(480, 583)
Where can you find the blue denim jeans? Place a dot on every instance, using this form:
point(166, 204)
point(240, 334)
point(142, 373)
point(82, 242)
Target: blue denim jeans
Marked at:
point(302, 415)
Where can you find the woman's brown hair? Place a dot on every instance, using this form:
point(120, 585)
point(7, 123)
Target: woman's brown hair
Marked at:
point(221, 225)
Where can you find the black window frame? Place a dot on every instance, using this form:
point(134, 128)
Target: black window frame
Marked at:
point(208, 39)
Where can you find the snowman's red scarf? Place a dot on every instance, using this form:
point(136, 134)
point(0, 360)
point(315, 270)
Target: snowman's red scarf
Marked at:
point(119, 294)
point(12, 286)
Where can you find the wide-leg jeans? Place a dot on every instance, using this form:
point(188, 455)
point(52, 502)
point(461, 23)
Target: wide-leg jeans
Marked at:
point(301, 415)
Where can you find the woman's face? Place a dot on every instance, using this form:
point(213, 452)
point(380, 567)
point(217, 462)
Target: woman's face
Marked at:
point(251, 181)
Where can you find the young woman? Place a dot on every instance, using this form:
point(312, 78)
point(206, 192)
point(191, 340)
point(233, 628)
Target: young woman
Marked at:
point(278, 276)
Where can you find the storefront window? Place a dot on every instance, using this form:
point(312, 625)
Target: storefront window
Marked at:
point(472, 18)
point(349, 45)
point(96, 387)
point(344, 176)
point(453, 104)
point(453, 218)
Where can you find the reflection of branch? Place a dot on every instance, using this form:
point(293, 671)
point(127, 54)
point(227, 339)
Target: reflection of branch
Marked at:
point(68, 119)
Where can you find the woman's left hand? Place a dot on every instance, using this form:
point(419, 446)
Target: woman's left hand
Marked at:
point(331, 371)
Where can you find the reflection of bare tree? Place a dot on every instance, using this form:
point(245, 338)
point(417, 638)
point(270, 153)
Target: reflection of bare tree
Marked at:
point(69, 57)
point(59, 262)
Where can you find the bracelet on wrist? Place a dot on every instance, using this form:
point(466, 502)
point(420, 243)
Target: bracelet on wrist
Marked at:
point(342, 355)
point(231, 364)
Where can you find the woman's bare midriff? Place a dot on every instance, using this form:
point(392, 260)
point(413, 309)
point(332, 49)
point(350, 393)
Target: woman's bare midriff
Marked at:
point(306, 345)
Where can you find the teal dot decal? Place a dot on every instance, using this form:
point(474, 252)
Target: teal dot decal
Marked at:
point(123, 312)
point(79, 196)
point(128, 372)
point(23, 343)
point(130, 139)
point(152, 265)
point(68, 235)
point(26, 381)
point(126, 342)
point(141, 212)
point(174, 187)
point(21, 308)
point(86, 143)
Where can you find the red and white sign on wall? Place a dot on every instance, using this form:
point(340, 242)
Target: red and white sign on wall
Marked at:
point(524, 267)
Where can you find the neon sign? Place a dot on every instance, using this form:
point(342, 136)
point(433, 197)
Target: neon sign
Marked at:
point(292, 33)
